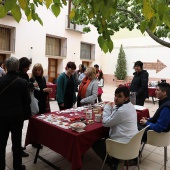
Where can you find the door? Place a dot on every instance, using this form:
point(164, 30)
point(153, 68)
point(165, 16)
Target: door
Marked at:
point(52, 69)
point(85, 63)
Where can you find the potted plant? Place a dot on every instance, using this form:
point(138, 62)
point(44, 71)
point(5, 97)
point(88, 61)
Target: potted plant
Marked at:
point(121, 70)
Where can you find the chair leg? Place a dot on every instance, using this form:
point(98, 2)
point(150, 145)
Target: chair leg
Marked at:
point(104, 161)
point(140, 152)
point(127, 165)
point(138, 163)
point(165, 157)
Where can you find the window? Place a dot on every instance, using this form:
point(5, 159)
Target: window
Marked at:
point(56, 46)
point(53, 46)
point(7, 41)
point(87, 51)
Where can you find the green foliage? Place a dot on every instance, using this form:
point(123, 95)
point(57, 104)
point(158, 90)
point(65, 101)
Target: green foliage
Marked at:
point(121, 70)
point(108, 16)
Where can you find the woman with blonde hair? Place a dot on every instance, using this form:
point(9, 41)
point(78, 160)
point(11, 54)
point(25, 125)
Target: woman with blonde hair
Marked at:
point(88, 88)
point(40, 94)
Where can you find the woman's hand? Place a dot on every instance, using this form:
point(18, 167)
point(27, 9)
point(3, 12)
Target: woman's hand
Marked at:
point(48, 90)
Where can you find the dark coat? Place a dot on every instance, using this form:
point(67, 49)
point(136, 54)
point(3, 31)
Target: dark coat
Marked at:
point(15, 98)
point(40, 95)
point(139, 85)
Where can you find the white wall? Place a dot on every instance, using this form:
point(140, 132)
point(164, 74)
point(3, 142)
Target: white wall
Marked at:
point(31, 38)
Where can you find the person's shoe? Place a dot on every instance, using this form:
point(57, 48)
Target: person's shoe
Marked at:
point(24, 154)
point(23, 167)
point(23, 148)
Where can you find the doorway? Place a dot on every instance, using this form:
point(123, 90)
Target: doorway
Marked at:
point(85, 63)
point(52, 69)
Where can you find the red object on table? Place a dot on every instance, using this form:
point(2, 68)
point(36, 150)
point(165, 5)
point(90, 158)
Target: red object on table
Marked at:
point(142, 113)
point(54, 87)
point(72, 145)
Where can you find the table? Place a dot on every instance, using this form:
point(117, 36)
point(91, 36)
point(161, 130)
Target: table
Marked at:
point(142, 113)
point(70, 144)
point(151, 91)
point(54, 87)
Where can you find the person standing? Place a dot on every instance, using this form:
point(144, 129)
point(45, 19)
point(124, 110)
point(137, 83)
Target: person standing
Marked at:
point(100, 85)
point(139, 83)
point(14, 98)
point(88, 88)
point(121, 117)
point(2, 72)
point(66, 87)
point(41, 94)
point(96, 66)
point(24, 65)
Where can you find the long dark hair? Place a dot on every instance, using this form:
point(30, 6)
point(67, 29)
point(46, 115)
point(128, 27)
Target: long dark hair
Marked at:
point(100, 75)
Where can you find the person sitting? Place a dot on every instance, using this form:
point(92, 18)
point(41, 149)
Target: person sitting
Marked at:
point(88, 88)
point(121, 117)
point(160, 122)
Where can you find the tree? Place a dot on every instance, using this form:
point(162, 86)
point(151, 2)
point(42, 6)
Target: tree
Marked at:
point(121, 70)
point(108, 16)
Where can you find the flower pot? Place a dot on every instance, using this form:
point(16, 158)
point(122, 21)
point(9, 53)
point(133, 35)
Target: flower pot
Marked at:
point(120, 82)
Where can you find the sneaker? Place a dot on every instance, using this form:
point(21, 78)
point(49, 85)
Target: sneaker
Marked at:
point(24, 154)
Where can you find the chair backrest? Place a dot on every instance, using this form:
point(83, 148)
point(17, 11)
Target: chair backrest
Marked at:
point(125, 151)
point(158, 139)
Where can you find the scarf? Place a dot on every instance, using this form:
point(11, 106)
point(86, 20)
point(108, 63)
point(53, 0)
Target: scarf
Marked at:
point(83, 87)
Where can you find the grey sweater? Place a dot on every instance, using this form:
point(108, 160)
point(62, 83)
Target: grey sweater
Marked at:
point(91, 93)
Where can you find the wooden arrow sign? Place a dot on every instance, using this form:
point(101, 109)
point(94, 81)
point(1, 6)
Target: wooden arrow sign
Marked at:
point(158, 66)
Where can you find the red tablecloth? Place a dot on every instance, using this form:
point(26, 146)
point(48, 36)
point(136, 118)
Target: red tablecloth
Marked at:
point(142, 113)
point(72, 145)
point(151, 91)
point(54, 87)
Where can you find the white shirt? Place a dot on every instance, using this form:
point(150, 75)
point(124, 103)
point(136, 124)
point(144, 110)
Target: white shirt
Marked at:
point(122, 122)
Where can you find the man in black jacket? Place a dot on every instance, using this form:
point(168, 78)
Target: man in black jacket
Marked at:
point(139, 83)
point(14, 98)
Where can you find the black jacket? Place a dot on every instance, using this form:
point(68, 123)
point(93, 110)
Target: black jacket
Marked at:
point(40, 95)
point(139, 85)
point(15, 98)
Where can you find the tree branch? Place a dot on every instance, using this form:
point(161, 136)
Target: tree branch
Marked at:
point(158, 40)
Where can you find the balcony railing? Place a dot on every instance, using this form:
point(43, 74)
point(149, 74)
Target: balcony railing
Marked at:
point(74, 27)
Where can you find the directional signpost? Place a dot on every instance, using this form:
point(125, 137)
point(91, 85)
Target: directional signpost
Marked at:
point(158, 66)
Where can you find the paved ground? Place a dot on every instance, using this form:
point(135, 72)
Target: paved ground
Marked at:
point(152, 156)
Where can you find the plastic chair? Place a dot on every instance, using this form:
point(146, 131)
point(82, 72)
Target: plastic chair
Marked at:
point(159, 139)
point(124, 151)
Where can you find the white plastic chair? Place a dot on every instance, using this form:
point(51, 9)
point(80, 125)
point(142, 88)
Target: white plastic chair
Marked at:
point(124, 151)
point(160, 140)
